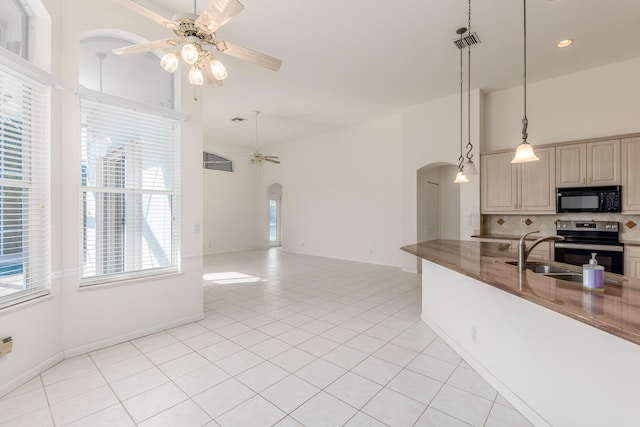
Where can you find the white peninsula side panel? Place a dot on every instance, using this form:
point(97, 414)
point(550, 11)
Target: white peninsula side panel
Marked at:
point(555, 370)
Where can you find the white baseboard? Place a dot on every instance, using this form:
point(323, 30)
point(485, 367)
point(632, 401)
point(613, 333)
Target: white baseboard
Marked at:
point(30, 374)
point(129, 336)
point(520, 405)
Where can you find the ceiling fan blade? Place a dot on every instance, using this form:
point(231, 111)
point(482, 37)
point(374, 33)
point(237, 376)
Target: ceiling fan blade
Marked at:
point(218, 13)
point(271, 160)
point(145, 47)
point(131, 5)
point(271, 157)
point(248, 55)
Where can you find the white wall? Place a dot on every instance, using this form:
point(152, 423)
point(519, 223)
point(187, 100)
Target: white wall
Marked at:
point(231, 202)
point(598, 102)
point(341, 193)
point(73, 320)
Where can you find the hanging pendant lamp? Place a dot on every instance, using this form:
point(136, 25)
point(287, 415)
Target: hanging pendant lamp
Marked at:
point(469, 166)
point(461, 178)
point(524, 152)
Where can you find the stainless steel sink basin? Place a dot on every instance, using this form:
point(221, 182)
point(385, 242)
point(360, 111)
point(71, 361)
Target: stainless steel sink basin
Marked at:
point(546, 269)
point(571, 277)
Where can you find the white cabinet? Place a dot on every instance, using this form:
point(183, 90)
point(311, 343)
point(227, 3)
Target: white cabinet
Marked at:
point(631, 175)
point(588, 164)
point(632, 261)
point(522, 188)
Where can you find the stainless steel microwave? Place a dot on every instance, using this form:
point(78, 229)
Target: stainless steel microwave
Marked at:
point(589, 199)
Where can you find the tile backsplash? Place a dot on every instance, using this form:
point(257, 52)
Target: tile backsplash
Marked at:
point(518, 225)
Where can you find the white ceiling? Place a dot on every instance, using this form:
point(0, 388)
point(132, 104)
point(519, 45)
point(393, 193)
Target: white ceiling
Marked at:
point(348, 61)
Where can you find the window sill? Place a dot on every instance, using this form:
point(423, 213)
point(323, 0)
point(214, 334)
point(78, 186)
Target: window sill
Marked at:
point(94, 286)
point(26, 303)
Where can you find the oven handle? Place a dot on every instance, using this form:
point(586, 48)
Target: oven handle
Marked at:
point(608, 248)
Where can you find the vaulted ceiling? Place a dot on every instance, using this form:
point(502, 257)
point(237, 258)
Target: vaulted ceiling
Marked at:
point(348, 61)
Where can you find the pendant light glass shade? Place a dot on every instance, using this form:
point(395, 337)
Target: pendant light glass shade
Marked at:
point(524, 153)
point(461, 178)
point(470, 168)
point(170, 62)
point(195, 76)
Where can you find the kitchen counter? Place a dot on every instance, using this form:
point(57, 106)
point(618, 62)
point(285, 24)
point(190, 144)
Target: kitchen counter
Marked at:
point(616, 311)
point(560, 355)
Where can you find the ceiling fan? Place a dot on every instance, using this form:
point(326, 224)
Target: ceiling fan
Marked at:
point(192, 34)
point(257, 158)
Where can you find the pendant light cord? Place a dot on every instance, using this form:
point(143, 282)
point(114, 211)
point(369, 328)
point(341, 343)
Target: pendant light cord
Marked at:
point(525, 121)
point(461, 158)
point(469, 144)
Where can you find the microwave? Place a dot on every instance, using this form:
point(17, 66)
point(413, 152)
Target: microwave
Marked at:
point(589, 199)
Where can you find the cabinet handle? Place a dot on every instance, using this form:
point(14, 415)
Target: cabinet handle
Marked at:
point(584, 180)
point(590, 180)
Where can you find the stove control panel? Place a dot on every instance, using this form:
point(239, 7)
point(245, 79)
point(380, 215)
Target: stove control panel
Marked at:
point(607, 226)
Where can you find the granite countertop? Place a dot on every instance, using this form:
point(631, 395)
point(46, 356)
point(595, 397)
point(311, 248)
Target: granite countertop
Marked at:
point(616, 311)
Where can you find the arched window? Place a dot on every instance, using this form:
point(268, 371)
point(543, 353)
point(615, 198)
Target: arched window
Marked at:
point(15, 18)
point(138, 78)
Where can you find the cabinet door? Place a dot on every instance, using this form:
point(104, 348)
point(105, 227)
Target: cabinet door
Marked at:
point(537, 183)
point(571, 162)
point(632, 261)
point(631, 175)
point(603, 163)
point(498, 183)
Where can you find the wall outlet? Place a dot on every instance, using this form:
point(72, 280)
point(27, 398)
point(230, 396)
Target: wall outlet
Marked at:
point(523, 221)
point(6, 346)
point(196, 228)
point(474, 334)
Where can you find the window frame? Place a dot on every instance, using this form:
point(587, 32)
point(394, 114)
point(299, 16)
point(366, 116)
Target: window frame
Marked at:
point(132, 170)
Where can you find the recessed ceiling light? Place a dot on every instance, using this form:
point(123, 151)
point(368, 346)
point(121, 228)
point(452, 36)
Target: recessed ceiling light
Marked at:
point(564, 43)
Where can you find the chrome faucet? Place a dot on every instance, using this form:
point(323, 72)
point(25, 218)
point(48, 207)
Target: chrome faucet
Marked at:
point(524, 251)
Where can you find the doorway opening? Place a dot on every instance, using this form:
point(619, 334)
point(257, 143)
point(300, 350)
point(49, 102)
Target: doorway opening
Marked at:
point(274, 209)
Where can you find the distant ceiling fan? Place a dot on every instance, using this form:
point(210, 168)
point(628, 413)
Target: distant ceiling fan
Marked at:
point(257, 158)
point(193, 34)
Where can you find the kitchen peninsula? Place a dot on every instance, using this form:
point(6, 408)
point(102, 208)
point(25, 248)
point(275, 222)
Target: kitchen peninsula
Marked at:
point(559, 354)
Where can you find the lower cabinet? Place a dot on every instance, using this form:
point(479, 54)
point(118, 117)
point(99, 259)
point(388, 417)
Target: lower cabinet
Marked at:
point(632, 261)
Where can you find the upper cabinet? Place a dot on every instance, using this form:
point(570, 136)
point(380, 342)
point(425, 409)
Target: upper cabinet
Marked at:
point(521, 188)
point(588, 164)
point(631, 175)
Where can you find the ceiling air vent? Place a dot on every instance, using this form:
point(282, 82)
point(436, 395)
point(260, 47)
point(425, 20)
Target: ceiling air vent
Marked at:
point(467, 40)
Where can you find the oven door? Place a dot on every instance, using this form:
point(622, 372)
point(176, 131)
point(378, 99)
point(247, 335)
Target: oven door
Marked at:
point(611, 257)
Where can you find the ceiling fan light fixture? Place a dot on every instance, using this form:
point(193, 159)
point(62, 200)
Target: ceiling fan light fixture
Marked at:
point(190, 53)
point(170, 62)
point(218, 69)
point(195, 76)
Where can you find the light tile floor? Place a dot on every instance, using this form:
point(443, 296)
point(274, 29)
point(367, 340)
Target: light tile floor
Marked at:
point(288, 340)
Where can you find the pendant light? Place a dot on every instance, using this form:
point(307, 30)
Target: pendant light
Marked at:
point(524, 152)
point(469, 166)
point(460, 176)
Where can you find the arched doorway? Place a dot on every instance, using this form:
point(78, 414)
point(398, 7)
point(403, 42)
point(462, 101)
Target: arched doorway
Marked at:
point(438, 203)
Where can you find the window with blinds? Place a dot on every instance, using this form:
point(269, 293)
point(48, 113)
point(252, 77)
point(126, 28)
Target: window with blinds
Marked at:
point(24, 189)
point(130, 192)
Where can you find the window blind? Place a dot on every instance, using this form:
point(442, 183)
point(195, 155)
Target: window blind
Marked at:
point(130, 193)
point(24, 189)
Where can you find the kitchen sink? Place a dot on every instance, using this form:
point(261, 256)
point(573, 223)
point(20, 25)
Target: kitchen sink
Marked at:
point(571, 277)
point(546, 269)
